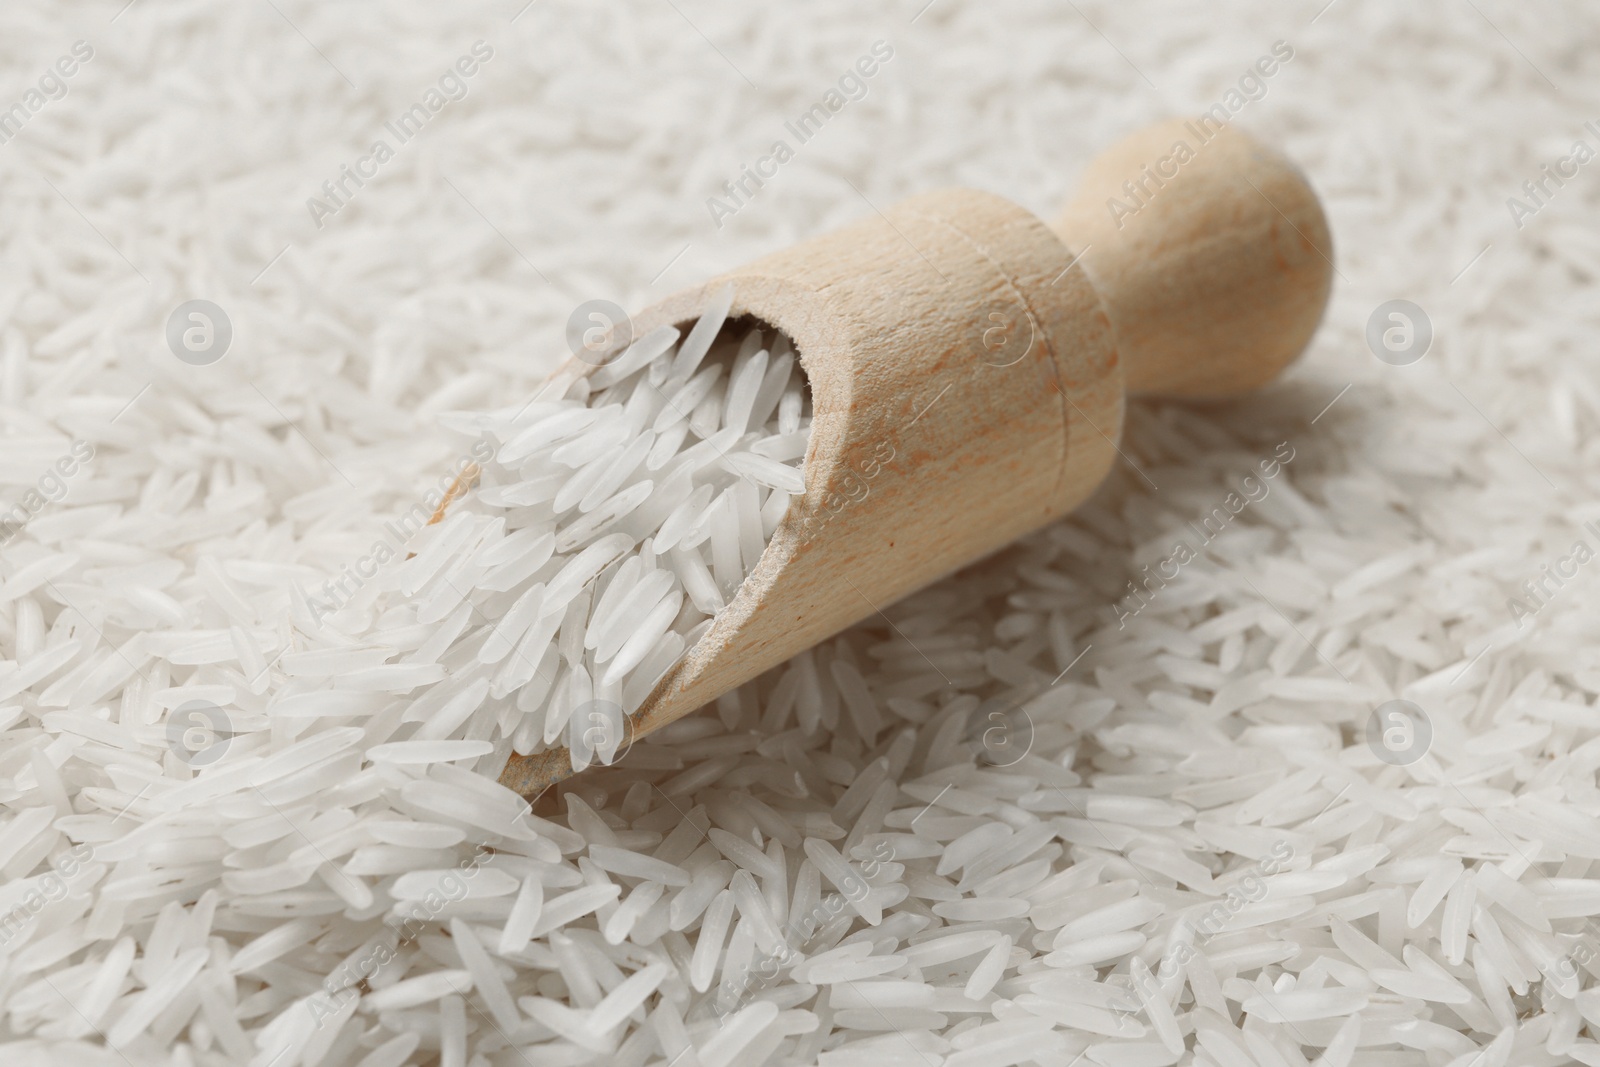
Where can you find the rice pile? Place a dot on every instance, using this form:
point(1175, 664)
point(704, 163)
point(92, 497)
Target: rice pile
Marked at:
point(588, 541)
point(1121, 795)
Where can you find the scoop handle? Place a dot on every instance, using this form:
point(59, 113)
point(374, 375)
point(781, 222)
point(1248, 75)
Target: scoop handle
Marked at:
point(1210, 251)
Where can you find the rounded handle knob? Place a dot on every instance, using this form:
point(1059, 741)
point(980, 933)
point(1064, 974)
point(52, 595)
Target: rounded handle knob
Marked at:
point(1210, 251)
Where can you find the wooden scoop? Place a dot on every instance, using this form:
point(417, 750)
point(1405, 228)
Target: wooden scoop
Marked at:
point(967, 366)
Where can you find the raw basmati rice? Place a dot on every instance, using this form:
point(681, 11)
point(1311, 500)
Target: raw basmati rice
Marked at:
point(1199, 857)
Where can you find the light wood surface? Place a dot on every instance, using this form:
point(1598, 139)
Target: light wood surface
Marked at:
point(967, 388)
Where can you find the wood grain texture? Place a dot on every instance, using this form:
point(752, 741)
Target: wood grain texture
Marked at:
point(966, 389)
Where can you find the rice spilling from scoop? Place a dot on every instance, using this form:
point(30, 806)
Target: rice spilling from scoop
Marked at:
point(589, 538)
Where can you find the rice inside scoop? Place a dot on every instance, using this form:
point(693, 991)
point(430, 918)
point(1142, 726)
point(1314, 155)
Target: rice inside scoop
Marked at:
point(609, 519)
